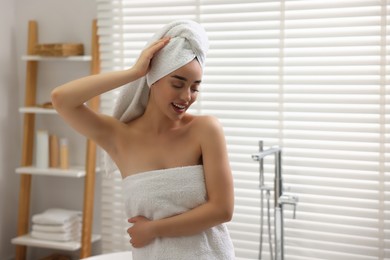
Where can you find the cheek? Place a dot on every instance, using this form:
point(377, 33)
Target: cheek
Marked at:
point(160, 91)
point(194, 97)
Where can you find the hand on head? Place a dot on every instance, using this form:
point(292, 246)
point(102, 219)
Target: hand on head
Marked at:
point(142, 66)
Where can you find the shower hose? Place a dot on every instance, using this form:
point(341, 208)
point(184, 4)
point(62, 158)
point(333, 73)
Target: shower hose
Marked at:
point(268, 223)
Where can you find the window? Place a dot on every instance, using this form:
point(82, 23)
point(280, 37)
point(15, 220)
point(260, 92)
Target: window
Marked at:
point(309, 76)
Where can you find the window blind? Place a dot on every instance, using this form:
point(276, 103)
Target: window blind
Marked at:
point(309, 76)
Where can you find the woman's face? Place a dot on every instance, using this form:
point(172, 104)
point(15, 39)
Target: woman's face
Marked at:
point(176, 92)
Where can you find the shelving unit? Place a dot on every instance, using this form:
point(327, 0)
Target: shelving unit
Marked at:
point(27, 240)
point(37, 110)
point(74, 172)
point(30, 110)
point(69, 58)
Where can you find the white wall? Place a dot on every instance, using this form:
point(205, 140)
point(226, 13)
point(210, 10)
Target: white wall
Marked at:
point(58, 21)
point(9, 128)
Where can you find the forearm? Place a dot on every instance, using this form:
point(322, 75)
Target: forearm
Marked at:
point(77, 92)
point(192, 222)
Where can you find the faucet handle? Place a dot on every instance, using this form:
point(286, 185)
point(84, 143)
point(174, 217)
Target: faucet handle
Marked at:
point(295, 211)
point(256, 157)
point(291, 200)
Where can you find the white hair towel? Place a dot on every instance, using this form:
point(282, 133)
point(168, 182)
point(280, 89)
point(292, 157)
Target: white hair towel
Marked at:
point(188, 41)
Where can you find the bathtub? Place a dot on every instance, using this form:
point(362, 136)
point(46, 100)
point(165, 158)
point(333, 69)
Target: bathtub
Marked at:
point(112, 256)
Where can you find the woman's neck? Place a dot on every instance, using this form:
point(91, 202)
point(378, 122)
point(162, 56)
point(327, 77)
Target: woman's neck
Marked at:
point(154, 120)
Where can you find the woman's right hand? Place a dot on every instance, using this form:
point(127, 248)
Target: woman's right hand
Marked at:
point(142, 66)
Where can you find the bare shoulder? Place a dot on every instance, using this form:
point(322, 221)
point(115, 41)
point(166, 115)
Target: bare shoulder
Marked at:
point(207, 127)
point(206, 122)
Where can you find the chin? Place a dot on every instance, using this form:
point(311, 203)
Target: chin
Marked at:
point(177, 117)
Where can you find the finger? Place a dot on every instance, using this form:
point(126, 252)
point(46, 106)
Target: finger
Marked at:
point(164, 40)
point(160, 44)
point(134, 244)
point(132, 220)
point(135, 219)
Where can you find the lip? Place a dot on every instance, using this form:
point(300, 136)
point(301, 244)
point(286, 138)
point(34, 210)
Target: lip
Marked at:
point(179, 108)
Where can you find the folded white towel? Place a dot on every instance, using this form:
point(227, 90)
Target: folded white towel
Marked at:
point(64, 236)
point(164, 193)
point(56, 216)
point(188, 41)
point(70, 226)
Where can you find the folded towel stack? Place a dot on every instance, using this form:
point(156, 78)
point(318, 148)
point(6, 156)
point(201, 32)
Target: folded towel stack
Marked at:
point(57, 225)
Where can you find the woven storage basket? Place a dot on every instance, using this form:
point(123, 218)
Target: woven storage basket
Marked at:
point(59, 49)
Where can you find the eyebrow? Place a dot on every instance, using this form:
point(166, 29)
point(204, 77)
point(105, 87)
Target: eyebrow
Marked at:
point(184, 79)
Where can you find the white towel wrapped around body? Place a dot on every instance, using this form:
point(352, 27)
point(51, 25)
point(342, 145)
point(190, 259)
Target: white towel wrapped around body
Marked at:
point(188, 41)
point(163, 193)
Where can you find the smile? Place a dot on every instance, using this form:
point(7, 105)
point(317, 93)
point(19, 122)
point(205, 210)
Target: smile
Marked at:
point(178, 106)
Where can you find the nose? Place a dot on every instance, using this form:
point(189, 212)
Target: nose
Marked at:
point(185, 94)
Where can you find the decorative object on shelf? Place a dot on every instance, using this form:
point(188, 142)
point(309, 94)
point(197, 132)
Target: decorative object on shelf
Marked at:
point(64, 154)
point(59, 49)
point(42, 149)
point(54, 151)
point(46, 105)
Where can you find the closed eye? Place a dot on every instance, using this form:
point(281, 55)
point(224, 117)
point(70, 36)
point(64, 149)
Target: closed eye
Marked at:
point(177, 86)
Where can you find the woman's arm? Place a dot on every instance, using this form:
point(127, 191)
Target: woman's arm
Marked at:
point(220, 203)
point(69, 98)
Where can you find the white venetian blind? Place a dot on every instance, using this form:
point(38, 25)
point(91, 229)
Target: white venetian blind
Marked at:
point(308, 75)
point(333, 86)
point(385, 125)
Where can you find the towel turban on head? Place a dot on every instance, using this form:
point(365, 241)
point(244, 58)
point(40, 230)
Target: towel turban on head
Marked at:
point(188, 41)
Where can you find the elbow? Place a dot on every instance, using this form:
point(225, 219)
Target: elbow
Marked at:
point(228, 215)
point(228, 209)
point(55, 98)
point(225, 214)
point(222, 210)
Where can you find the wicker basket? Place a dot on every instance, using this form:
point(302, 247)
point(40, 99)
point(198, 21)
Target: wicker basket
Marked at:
point(59, 49)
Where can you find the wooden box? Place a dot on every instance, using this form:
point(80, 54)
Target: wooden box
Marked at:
point(59, 49)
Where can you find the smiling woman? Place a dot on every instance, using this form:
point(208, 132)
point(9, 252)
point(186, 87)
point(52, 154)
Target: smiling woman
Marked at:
point(176, 175)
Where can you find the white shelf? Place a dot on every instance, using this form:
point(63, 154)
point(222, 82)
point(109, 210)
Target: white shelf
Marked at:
point(48, 58)
point(28, 240)
point(37, 110)
point(74, 172)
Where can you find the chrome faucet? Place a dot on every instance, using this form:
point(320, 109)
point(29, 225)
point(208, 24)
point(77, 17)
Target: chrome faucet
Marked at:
point(280, 200)
point(289, 200)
